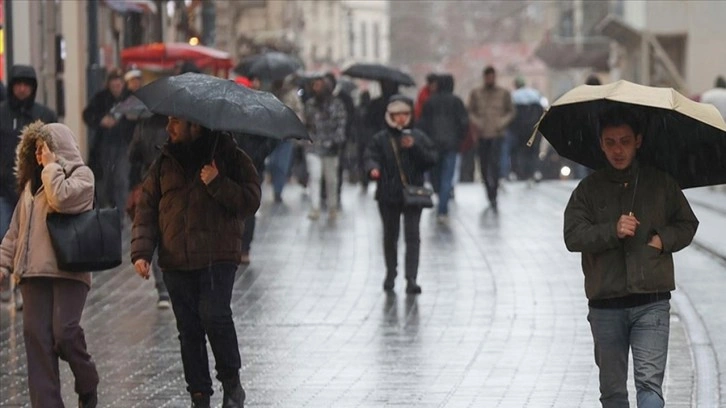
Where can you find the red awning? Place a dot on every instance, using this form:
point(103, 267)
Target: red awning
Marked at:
point(165, 56)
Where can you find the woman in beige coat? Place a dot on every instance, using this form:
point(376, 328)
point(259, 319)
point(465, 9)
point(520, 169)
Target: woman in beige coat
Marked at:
point(51, 177)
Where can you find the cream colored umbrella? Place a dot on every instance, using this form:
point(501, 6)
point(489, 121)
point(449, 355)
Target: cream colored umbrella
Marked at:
point(682, 137)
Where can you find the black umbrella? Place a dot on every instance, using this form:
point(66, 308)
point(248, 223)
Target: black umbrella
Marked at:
point(274, 66)
point(221, 104)
point(379, 72)
point(243, 68)
point(132, 108)
point(684, 138)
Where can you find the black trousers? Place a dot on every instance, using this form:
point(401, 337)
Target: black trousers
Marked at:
point(391, 218)
point(201, 299)
point(490, 154)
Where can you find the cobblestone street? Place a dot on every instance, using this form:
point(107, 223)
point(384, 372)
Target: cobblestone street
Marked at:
point(501, 321)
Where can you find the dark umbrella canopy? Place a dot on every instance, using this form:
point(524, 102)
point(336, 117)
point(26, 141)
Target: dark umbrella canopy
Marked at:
point(221, 104)
point(132, 108)
point(378, 72)
point(684, 138)
point(274, 66)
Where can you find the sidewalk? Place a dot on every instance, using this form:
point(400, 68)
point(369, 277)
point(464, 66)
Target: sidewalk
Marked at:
point(501, 321)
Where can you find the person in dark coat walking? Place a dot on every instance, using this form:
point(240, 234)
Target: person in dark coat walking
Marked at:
point(445, 120)
point(193, 204)
point(417, 154)
point(109, 145)
point(627, 220)
point(16, 112)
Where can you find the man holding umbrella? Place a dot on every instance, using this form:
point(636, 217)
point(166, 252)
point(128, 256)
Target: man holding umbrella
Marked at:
point(627, 219)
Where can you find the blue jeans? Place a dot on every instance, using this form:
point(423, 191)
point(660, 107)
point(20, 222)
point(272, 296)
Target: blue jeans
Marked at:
point(6, 215)
point(445, 176)
point(279, 164)
point(200, 300)
point(642, 329)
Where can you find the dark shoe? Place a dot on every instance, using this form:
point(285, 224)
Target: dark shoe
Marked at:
point(89, 400)
point(412, 288)
point(278, 198)
point(200, 400)
point(389, 283)
point(234, 395)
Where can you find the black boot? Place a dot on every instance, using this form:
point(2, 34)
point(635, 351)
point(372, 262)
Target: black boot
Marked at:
point(234, 394)
point(412, 288)
point(389, 282)
point(89, 400)
point(200, 400)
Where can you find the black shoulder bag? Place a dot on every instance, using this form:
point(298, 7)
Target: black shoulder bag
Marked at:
point(86, 242)
point(413, 196)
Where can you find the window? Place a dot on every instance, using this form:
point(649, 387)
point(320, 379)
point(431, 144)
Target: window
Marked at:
point(376, 40)
point(363, 39)
point(351, 34)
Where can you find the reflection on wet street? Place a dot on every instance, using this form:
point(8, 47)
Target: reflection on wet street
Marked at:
point(501, 321)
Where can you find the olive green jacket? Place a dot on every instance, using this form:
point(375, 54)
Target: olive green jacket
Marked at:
point(616, 267)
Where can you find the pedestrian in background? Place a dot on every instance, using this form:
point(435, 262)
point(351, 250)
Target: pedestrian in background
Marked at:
point(416, 154)
point(51, 178)
point(490, 110)
point(716, 96)
point(281, 157)
point(627, 220)
point(108, 153)
point(16, 112)
point(529, 109)
point(145, 147)
point(193, 204)
point(325, 118)
point(445, 120)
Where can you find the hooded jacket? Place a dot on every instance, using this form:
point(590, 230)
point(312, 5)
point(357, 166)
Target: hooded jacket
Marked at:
point(66, 186)
point(14, 116)
point(614, 267)
point(414, 161)
point(444, 117)
point(193, 224)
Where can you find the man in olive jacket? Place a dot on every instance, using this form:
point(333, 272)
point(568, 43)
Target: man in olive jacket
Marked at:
point(627, 219)
point(194, 200)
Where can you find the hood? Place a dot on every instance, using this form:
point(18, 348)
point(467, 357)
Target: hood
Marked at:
point(445, 83)
point(60, 140)
point(396, 103)
point(22, 73)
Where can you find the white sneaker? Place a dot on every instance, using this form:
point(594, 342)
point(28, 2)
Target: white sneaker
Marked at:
point(442, 219)
point(314, 214)
point(163, 304)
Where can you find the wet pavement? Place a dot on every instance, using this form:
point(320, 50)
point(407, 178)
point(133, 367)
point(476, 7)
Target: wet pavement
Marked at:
point(501, 321)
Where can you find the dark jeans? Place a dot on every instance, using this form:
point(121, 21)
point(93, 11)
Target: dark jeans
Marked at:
point(644, 331)
point(201, 302)
point(51, 329)
point(279, 162)
point(489, 157)
point(443, 174)
point(391, 218)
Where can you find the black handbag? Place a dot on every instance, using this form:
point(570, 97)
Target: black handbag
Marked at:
point(86, 242)
point(413, 196)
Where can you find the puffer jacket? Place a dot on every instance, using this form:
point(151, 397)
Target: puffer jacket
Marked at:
point(615, 267)
point(380, 154)
point(193, 224)
point(67, 187)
